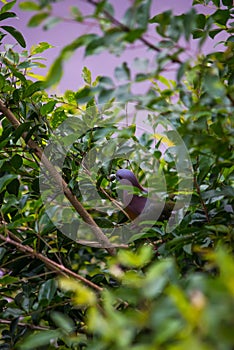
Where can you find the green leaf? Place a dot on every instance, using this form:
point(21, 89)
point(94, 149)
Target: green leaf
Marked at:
point(105, 95)
point(112, 40)
point(45, 224)
point(133, 35)
point(123, 93)
point(37, 19)
point(47, 108)
point(83, 95)
point(198, 33)
point(221, 17)
point(86, 75)
point(2, 81)
point(21, 129)
point(5, 280)
point(18, 75)
point(95, 46)
point(5, 15)
point(231, 39)
point(139, 259)
point(189, 23)
point(29, 6)
point(40, 339)
point(16, 35)
point(51, 22)
point(76, 14)
point(218, 228)
point(157, 278)
point(214, 32)
point(200, 21)
point(16, 96)
point(141, 63)
point(55, 73)
point(13, 187)
point(106, 82)
point(5, 180)
point(141, 77)
point(34, 87)
point(63, 322)
point(102, 133)
point(164, 81)
point(56, 70)
point(41, 47)
point(228, 3)
point(2, 253)
point(47, 291)
point(8, 6)
point(30, 64)
point(142, 13)
point(162, 18)
point(216, 2)
point(214, 86)
point(181, 71)
point(137, 16)
point(83, 40)
point(16, 161)
point(11, 204)
point(69, 96)
point(122, 73)
point(101, 5)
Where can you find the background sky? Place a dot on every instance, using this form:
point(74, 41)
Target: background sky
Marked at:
point(64, 33)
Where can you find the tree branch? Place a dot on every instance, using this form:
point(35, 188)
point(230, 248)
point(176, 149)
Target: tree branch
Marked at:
point(28, 325)
point(100, 236)
point(127, 30)
point(59, 268)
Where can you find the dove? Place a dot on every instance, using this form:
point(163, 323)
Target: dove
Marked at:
point(140, 204)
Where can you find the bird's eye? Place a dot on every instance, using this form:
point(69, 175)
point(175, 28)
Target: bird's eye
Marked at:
point(120, 177)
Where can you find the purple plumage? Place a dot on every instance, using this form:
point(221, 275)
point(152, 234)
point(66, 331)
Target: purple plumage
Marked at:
point(152, 209)
point(134, 204)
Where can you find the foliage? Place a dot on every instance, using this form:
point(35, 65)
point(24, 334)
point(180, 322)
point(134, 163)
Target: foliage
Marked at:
point(168, 290)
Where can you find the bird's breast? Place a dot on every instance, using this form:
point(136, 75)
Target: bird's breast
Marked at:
point(134, 205)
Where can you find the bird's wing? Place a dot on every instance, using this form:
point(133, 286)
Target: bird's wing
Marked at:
point(136, 206)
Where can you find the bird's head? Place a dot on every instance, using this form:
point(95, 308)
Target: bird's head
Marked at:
point(134, 203)
point(126, 177)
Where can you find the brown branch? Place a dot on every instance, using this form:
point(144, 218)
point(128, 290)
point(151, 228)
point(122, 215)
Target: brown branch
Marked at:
point(59, 268)
point(115, 202)
point(231, 98)
point(127, 30)
point(31, 326)
point(100, 236)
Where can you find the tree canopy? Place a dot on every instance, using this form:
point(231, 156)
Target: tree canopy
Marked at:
point(75, 273)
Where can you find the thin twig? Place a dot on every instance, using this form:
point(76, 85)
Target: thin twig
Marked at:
point(127, 30)
point(21, 324)
point(115, 202)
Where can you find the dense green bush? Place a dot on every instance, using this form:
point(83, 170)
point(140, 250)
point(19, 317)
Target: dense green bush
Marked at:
point(166, 289)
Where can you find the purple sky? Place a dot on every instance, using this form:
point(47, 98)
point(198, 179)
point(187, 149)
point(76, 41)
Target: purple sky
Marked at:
point(64, 33)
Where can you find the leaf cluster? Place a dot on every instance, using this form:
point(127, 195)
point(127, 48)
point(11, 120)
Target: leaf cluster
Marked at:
point(168, 289)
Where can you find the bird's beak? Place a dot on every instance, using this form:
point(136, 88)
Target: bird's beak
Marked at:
point(112, 177)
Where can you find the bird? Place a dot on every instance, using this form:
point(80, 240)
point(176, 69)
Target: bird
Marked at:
point(140, 205)
point(133, 203)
